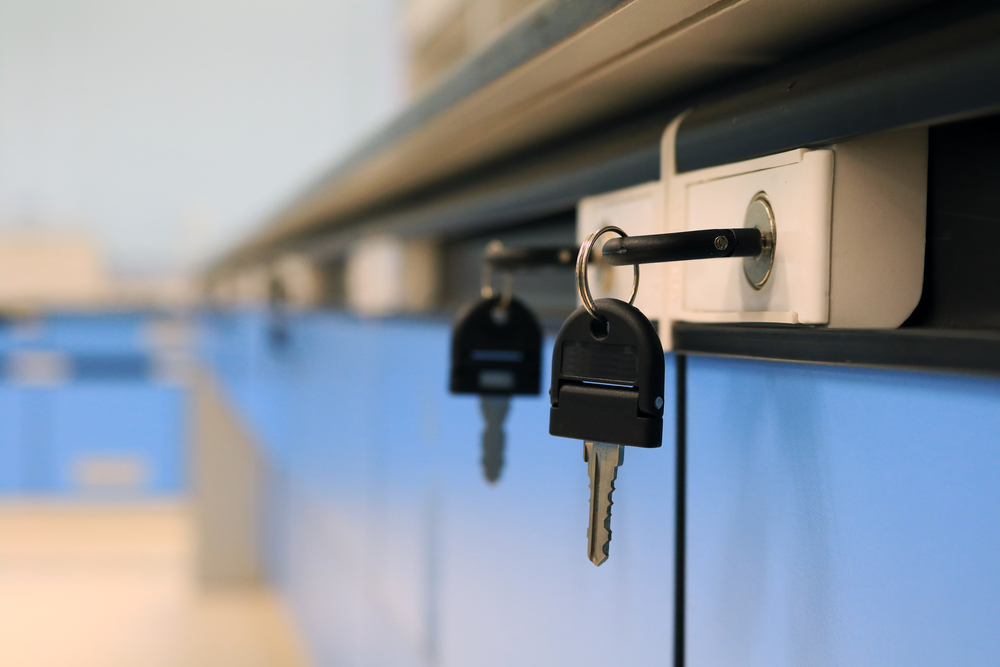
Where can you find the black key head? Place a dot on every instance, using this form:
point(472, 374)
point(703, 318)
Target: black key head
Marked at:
point(607, 377)
point(496, 349)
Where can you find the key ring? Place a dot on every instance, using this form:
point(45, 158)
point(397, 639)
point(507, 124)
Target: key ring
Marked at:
point(486, 281)
point(582, 284)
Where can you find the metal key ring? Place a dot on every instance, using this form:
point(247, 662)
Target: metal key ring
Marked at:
point(486, 281)
point(583, 285)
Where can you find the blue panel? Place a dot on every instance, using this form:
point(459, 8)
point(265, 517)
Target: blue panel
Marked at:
point(13, 445)
point(145, 423)
point(111, 367)
point(71, 333)
point(110, 407)
point(842, 517)
point(253, 372)
point(385, 538)
point(26, 446)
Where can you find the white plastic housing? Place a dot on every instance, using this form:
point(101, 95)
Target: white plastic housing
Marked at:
point(850, 223)
point(638, 211)
point(799, 186)
point(388, 275)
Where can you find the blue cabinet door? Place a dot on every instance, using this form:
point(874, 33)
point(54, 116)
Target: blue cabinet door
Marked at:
point(391, 547)
point(841, 517)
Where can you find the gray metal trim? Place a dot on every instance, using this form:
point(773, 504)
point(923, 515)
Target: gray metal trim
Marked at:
point(950, 351)
point(938, 63)
point(941, 64)
point(496, 204)
point(548, 25)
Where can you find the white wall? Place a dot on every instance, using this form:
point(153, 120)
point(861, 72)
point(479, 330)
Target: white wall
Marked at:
point(171, 128)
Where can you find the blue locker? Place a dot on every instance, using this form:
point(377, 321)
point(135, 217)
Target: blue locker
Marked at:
point(841, 516)
point(388, 543)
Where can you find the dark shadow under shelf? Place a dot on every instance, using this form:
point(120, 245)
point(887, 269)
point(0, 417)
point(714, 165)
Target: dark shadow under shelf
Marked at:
point(948, 350)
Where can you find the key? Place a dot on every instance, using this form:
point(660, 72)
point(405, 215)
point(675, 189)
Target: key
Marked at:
point(607, 390)
point(496, 353)
point(603, 461)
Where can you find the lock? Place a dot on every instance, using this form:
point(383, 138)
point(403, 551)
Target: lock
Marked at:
point(847, 221)
point(760, 216)
point(754, 242)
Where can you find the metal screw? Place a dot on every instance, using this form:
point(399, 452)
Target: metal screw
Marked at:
point(721, 242)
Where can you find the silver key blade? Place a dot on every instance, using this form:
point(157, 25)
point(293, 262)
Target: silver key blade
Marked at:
point(494, 408)
point(602, 465)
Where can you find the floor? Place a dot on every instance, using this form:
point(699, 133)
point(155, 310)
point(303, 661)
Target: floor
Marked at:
point(114, 586)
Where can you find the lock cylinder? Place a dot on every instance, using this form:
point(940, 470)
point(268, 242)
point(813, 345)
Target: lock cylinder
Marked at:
point(760, 216)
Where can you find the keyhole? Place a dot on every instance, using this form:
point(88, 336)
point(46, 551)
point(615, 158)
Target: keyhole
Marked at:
point(600, 328)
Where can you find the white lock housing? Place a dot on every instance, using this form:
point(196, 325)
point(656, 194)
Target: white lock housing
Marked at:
point(638, 211)
point(849, 224)
point(849, 234)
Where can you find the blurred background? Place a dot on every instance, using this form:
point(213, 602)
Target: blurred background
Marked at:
point(139, 142)
point(234, 236)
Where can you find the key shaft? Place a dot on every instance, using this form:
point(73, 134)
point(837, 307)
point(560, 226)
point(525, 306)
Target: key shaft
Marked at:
point(602, 465)
point(494, 408)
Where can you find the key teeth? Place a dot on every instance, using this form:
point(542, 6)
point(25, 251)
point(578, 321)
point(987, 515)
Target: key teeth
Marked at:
point(604, 550)
point(603, 553)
